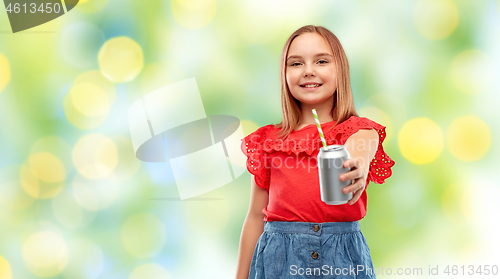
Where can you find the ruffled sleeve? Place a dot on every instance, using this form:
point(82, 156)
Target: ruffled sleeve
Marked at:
point(257, 164)
point(381, 164)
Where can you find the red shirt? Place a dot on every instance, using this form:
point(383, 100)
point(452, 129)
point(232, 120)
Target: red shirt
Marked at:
point(287, 169)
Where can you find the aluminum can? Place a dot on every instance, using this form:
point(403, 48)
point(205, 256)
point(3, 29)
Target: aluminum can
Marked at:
point(330, 166)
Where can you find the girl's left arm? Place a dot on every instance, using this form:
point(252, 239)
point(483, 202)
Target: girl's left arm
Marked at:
point(361, 146)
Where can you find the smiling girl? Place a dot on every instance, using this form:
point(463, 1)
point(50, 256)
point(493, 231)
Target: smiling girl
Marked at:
point(289, 232)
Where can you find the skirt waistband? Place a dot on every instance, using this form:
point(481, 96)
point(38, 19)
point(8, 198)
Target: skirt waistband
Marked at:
point(311, 228)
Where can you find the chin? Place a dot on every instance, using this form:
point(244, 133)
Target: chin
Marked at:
point(311, 101)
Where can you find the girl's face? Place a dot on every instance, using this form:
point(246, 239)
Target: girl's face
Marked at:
point(310, 61)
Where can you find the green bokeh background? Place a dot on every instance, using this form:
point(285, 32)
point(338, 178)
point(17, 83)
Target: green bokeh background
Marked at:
point(406, 62)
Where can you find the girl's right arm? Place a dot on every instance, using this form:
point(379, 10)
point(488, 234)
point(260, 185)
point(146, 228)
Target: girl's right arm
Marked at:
point(252, 229)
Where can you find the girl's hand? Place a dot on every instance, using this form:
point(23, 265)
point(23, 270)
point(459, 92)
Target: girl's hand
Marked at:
point(358, 175)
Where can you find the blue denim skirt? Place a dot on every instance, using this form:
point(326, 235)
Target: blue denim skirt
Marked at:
point(311, 250)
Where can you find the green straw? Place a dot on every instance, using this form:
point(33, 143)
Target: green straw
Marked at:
point(319, 129)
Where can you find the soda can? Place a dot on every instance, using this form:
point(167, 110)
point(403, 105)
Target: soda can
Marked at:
point(330, 167)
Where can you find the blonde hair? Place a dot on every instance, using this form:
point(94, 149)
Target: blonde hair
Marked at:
point(343, 107)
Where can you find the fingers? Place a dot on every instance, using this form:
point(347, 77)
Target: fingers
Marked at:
point(357, 189)
point(358, 184)
point(355, 174)
point(353, 162)
point(351, 175)
point(356, 196)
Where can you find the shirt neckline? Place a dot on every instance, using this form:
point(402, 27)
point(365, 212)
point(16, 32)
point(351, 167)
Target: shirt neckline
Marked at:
point(313, 125)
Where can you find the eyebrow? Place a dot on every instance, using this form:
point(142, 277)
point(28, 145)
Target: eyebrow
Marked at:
point(319, 54)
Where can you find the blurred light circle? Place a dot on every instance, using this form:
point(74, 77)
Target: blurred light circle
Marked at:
point(89, 99)
point(468, 138)
point(36, 187)
point(149, 271)
point(55, 146)
point(380, 117)
point(121, 59)
point(469, 202)
point(44, 174)
point(392, 105)
point(128, 164)
point(435, 19)
point(194, 4)
point(98, 79)
point(249, 127)
point(5, 270)
point(91, 6)
point(80, 42)
point(45, 253)
point(455, 205)
point(473, 72)
point(193, 14)
point(207, 217)
point(79, 120)
point(47, 167)
point(420, 140)
point(85, 260)
point(12, 195)
point(4, 72)
point(95, 156)
point(68, 211)
point(94, 194)
point(143, 235)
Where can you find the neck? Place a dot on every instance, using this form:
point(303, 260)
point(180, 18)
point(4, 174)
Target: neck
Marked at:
point(323, 109)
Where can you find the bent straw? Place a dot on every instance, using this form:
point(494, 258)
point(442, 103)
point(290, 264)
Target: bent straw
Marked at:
point(319, 128)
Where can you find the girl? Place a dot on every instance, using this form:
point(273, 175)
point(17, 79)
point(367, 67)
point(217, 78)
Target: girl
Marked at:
point(289, 232)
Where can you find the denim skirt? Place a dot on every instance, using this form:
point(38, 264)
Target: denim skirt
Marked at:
point(311, 250)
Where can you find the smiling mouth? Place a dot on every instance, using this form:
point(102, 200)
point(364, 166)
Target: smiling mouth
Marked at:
point(311, 85)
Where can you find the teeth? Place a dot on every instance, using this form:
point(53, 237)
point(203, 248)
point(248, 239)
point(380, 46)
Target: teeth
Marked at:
point(311, 85)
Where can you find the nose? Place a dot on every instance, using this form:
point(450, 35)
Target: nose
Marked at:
point(309, 71)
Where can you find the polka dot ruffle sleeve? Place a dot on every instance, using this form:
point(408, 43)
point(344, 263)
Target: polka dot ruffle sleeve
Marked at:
point(252, 146)
point(381, 164)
